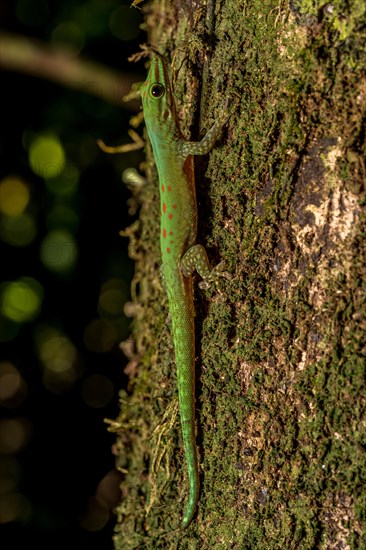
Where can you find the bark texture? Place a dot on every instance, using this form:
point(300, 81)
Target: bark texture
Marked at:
point(281, 347)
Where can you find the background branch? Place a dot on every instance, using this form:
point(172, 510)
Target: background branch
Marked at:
point(29, 56)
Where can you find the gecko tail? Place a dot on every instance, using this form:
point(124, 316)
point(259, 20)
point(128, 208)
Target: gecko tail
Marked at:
point(191, 505)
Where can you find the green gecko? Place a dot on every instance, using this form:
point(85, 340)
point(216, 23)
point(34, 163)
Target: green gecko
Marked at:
point(180, 255)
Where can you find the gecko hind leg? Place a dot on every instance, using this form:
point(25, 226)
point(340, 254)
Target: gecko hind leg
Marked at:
point(195, 259)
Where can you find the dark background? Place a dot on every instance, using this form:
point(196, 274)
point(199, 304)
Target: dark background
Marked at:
point(58, 482)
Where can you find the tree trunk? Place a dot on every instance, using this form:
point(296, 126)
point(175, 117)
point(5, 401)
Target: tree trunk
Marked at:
point(281, 345)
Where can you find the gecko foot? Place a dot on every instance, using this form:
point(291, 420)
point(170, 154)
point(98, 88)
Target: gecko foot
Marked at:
point(214, 277)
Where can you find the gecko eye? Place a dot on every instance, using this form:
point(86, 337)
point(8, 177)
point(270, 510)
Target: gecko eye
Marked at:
point(157, 90)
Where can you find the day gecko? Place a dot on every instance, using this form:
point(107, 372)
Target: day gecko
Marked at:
point(180, 255)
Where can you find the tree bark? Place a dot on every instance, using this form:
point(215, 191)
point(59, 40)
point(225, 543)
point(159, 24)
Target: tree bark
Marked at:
point(281, 346)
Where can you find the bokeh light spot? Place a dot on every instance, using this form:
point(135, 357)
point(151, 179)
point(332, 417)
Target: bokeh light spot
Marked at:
point(18, 230)
point(31, 12)
point(59, 382)
point(21, 300)
point(59, 251)
point(13, 507)
point(124, 23)
point(58, 354)
point(95, 516)
point(100, 336)
point(14, 196)
point(59, 358)
point(14, 434)
point(97, 391)
point(12, 386)
point(111, 302)
point(113, 296)
point(70, 36)
point(109, 490)
point(55, 350)
point(47, 157)
point(91, 15)
point(9, 381)
point(66, 184)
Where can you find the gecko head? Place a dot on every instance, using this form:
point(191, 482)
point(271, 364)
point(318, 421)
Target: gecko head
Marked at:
point(157, 98)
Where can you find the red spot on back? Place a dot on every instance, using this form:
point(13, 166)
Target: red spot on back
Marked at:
point(174, 206)
point(169, 188)
point(168, 250)
point(164, 233)
point(164, 207)
point(170, 216)
point(163, 188)
point(170, 232)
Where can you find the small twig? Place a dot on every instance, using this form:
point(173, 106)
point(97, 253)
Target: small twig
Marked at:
point(138, 143)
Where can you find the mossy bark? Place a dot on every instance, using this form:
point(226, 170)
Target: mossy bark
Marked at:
point(281, 346)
